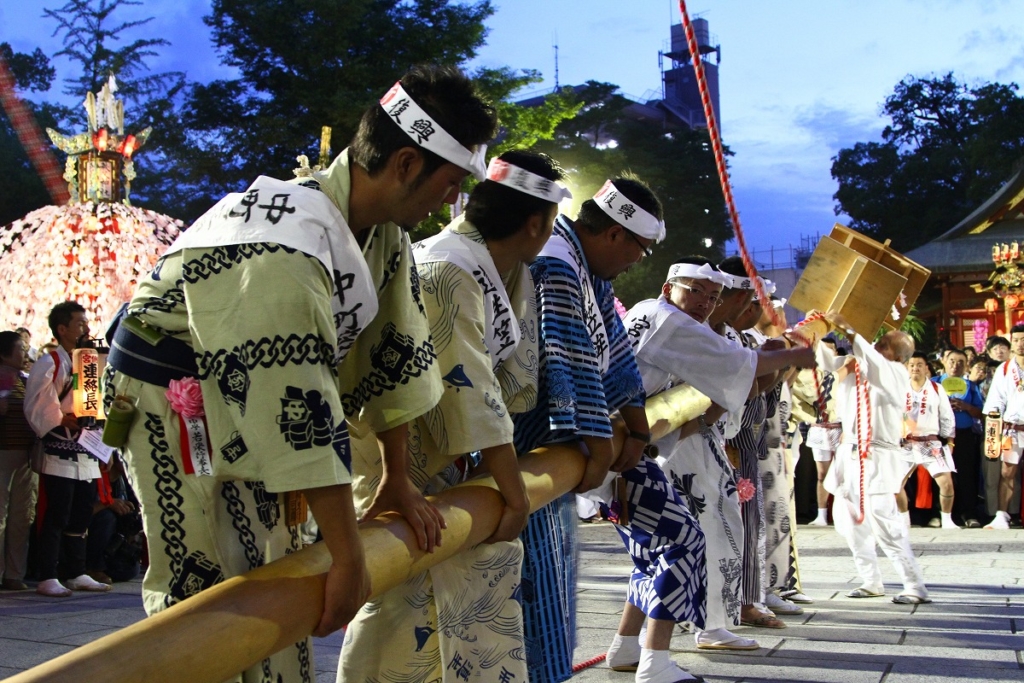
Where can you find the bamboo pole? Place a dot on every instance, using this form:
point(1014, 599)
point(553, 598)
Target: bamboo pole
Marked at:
point(271, 607)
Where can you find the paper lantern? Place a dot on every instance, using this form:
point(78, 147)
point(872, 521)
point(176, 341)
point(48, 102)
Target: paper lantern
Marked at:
point(1012, 300)
point(991, 305)
point(88, 365)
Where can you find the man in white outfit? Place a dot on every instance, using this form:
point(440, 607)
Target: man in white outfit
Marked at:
point(1006, 398)
point(881, 368)
point(930, 430)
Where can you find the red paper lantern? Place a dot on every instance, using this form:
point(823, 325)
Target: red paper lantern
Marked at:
point(991, 305)
point(1012, 300)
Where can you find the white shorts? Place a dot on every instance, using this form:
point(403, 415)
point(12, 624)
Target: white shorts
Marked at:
point(822, 455)
point(935, 458)
point(823, 440)
point(1012, 456)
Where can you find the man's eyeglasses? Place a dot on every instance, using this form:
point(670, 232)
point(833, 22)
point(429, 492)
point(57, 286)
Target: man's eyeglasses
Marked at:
point(648, 250)
point(712, 299)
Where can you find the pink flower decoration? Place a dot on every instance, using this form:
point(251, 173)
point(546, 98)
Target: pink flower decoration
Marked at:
point(619, 308)
point(185, 397)
point(745, 490)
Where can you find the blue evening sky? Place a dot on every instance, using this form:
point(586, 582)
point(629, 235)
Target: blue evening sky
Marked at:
point(800, 79)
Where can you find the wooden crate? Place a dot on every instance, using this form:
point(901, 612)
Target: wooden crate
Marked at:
point(840, 278)
point(883, 254)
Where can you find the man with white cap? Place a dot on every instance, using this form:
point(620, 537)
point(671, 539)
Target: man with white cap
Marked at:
point(479, 296)
point(587, 373)
point(281, 311)
point(674, 345)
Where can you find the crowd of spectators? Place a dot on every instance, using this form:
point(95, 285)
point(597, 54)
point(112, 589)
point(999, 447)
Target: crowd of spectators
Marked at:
point(68, 521)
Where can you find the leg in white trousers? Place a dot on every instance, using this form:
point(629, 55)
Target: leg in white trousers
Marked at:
point(882, 524)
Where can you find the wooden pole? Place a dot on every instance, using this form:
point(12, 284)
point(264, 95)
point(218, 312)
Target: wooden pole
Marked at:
point(271, 607)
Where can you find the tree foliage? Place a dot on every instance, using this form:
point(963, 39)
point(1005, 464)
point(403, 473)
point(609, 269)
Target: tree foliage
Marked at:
point(89, 32)
point(304, 64)
point(23, 191)
point(947, 148)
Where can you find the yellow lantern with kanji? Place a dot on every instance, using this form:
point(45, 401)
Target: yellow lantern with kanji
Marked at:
point(1012, 300)
point(88, 366)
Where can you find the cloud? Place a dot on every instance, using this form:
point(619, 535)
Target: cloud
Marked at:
point(838, 128)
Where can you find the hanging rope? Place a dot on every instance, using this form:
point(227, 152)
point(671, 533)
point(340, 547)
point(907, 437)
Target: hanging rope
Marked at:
point(31, 138)
point(863, 399)
point(723, 171)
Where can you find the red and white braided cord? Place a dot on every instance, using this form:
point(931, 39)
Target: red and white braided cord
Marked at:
point(723, 172)
point(734, 217)
point(864, 434)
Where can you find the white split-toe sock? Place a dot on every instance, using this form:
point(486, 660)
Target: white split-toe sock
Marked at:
point(657, 667)
point(87, 583)
point(52, 588)
point(624, 653)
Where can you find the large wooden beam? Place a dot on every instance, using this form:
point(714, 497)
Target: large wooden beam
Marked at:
point(261, 612)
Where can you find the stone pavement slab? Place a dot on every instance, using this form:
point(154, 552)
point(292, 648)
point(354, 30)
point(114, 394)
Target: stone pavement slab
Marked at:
point(972, 632)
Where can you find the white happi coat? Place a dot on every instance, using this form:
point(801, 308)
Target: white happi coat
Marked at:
point(1005, 398)
point(888, 384)
point(936, 419)
point(463, 616)
point(672, 348)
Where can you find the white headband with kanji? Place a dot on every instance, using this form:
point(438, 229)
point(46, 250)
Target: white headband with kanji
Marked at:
point(737, 281)
point(518, 178)
point(695, 272)
point(428, 134)
point(627, 214)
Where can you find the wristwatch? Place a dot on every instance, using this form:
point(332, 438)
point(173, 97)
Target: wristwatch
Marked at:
point(640, 436)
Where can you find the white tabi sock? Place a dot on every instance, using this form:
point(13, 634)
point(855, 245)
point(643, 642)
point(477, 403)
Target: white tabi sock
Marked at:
point(823, 514)
point(906, 518)
point(624, 650)
point(947, 518)
point(657, 667)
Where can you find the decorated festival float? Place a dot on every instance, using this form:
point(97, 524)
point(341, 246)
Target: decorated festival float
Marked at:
point(93, 247)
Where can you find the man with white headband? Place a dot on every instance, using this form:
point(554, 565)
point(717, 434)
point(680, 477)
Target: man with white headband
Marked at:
point(587, 373)
point(780, 575)
point(290, 306)
point(479, 298)
point(746, 439)
point(674, 345)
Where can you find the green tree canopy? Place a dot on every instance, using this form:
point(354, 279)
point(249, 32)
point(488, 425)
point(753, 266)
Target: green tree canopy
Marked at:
point(23, 191)
point(304, 64)
point(947, 148)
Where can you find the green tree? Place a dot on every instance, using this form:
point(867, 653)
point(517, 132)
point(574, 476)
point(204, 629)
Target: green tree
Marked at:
point(304, 64)
point(89, 31)
point(947, 148)
point(23, 189)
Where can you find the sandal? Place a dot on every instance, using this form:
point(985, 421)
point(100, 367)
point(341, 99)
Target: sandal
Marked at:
point(864, 593)
point(764, 621)
point(727, 642)
point(910, 599)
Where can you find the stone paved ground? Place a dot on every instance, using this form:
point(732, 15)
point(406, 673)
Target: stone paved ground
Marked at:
point(971, 632)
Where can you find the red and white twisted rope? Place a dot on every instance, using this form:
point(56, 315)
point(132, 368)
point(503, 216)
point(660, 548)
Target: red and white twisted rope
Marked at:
point(723, 172)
